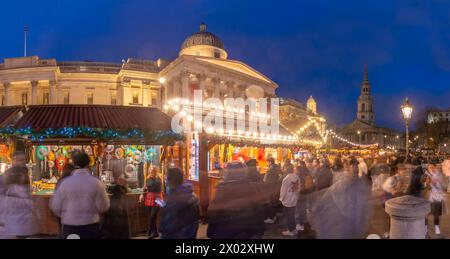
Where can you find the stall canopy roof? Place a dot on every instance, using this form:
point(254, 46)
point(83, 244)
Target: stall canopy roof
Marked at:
point(94, 116)
point(9, 114)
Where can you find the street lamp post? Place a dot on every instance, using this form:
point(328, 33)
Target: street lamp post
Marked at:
point(407, 110)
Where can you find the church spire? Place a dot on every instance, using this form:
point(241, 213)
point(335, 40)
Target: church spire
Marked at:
point(365, 87)
point(365, 101)
point(366, 74)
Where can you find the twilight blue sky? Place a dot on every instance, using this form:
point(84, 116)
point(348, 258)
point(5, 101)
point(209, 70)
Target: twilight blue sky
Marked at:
point(311, 47)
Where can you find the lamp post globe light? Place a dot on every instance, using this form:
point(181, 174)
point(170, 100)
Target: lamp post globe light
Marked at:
point(407, 110)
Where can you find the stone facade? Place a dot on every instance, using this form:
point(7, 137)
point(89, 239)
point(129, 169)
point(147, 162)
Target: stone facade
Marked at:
point(33, 81)
point(134, 82)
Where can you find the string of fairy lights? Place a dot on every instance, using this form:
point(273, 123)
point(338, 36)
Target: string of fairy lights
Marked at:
point(329, 133)
point(333, 134)
point(183, 106)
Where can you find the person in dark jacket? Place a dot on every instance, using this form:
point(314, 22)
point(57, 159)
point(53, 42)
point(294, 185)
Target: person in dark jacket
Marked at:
point(252, 171)
point(274, 172)
point(287, 167)
point(306, 187)
point(272, 188)
point(181, 213)
point(323, 179)
point(417, 186)
point(115, 223)
point(237, 210)
point(338, 165)
point(153, 196)
point(324, 176)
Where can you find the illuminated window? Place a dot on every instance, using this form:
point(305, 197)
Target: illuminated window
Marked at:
point(135, 97)
point(153, 99)
point(90, 98)
point(113, 99)
point(66, 98)
point(45, 98)
point(24, 98)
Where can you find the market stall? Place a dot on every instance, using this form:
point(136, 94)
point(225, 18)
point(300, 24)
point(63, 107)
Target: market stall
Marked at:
point(121, 142)
point(208, 154)
point(8, 115)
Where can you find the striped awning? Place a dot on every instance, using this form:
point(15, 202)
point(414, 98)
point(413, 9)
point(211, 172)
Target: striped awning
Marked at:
point(8, 115)
point(42, 117)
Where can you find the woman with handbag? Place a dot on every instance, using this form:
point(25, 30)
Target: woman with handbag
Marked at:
point(152, 198)
point(435, 186)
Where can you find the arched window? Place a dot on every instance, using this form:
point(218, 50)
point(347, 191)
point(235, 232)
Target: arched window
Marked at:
point(363, 107)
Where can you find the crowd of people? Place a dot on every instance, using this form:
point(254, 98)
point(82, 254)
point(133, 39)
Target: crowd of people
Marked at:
point(330, 196)
point(88, 209)
point(244, 204)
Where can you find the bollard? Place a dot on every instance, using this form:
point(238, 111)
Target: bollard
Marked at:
point(408, 214)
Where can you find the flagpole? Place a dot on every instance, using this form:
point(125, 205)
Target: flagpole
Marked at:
point(25, 30)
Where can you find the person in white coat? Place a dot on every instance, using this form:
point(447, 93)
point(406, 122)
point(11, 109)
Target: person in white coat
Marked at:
point(79, 201)
point(435, 186)
point(19, 215)
point(290, 189)
point(362, 168)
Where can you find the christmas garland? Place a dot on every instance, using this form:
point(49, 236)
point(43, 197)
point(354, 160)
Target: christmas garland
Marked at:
point(93, 133)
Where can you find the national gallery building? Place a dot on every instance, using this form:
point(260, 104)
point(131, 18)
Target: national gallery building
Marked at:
point(202, 64)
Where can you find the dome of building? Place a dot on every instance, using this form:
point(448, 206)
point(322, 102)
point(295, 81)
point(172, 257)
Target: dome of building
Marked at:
point(204, 43)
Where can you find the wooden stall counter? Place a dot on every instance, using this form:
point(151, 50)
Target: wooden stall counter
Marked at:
point(138, 215)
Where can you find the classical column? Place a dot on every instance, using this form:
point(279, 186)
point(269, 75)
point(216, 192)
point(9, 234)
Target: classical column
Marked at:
point(236, 91)
point(52, 94)
point(185, 85)
point(6, 86)
point(201, 84)
point(216, 88)
point(34, 92)
point(167, 91)
point(146, 98)
point(230, 91)
point(120, 94)
point(408, 214)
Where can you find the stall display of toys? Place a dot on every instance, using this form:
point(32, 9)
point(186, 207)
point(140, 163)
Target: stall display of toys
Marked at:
point(50, 162)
